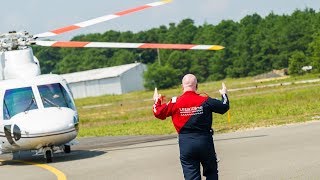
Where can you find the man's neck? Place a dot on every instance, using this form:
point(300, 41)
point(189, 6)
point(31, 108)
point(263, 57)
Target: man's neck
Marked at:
point(188, 90)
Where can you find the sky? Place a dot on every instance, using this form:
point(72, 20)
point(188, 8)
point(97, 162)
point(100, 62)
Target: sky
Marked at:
point(38, 16)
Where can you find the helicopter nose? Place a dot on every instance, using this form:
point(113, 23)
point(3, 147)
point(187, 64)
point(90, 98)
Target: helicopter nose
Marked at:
point(47, 121)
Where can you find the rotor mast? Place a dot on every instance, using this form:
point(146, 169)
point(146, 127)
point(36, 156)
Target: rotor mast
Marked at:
point(17, 60)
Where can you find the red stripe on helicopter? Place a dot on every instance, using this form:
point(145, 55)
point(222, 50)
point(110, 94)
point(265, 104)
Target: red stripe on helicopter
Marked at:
point(65, 29)
point(132, 10)
point(69, 44)
point(166, 46)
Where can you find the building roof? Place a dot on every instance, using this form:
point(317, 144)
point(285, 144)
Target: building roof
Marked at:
point(100, 73)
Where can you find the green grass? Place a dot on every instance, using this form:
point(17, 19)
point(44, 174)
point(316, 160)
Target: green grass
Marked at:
point(131, 114)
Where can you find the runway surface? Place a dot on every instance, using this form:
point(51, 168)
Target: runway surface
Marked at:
point(283, 152)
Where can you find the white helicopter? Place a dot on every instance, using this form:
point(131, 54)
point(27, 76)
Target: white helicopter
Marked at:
point(38, 111)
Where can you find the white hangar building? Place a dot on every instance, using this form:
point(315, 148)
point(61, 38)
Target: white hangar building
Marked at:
point(111, 80)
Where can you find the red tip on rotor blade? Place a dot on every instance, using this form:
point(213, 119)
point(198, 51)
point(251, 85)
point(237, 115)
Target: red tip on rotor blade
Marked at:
point(166, 46)
point(65, 29)
point(132, 10)
point(70, 44)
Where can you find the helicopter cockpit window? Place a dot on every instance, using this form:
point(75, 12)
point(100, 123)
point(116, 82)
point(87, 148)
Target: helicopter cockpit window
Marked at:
point(18, 100)
point(54, 95)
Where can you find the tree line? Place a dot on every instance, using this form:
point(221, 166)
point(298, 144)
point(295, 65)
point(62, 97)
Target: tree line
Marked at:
point(254, 45)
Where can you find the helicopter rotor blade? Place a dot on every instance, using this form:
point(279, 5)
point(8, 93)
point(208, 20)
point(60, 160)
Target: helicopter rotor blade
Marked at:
point(80, 44)
point(99, 19)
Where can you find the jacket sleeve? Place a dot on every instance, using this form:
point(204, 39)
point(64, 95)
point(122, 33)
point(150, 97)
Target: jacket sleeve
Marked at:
point(219, 106)
point(162, 111)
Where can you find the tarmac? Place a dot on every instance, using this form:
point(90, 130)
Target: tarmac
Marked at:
point(280, 152)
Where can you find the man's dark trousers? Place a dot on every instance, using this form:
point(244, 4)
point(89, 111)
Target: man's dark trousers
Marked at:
point(196, 148)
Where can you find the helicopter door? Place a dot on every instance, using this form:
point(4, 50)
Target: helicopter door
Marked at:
point(18, 100)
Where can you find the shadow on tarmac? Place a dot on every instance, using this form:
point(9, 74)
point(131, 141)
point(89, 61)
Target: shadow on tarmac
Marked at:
point(84, 152)
point(170, 144)
point(243, 137)
point(27, 156)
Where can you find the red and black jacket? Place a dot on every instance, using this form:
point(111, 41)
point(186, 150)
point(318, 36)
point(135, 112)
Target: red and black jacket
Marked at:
point(191, 112)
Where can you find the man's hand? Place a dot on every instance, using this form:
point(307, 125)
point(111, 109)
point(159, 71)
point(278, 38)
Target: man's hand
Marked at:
point(224, 89)
point(156, 96)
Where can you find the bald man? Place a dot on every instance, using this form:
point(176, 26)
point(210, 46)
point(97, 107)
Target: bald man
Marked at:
point(192, 117)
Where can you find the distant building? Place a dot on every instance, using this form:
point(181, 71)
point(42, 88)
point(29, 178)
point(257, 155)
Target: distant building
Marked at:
point(111, 80)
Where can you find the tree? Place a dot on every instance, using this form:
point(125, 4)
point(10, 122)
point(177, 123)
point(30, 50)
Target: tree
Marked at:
point(254, 45)
point(314, 51)
point(161, 76)
point(296, 62)
point(48, 58)
point(122, 56)
point(179, 60)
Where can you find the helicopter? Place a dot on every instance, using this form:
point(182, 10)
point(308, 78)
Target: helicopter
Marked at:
point(38, 110)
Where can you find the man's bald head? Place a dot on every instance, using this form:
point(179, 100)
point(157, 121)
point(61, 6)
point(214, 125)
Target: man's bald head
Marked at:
point(189, 83)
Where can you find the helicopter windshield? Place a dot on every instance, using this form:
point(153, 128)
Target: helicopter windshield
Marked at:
point(18, 100)
point(54, 95)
